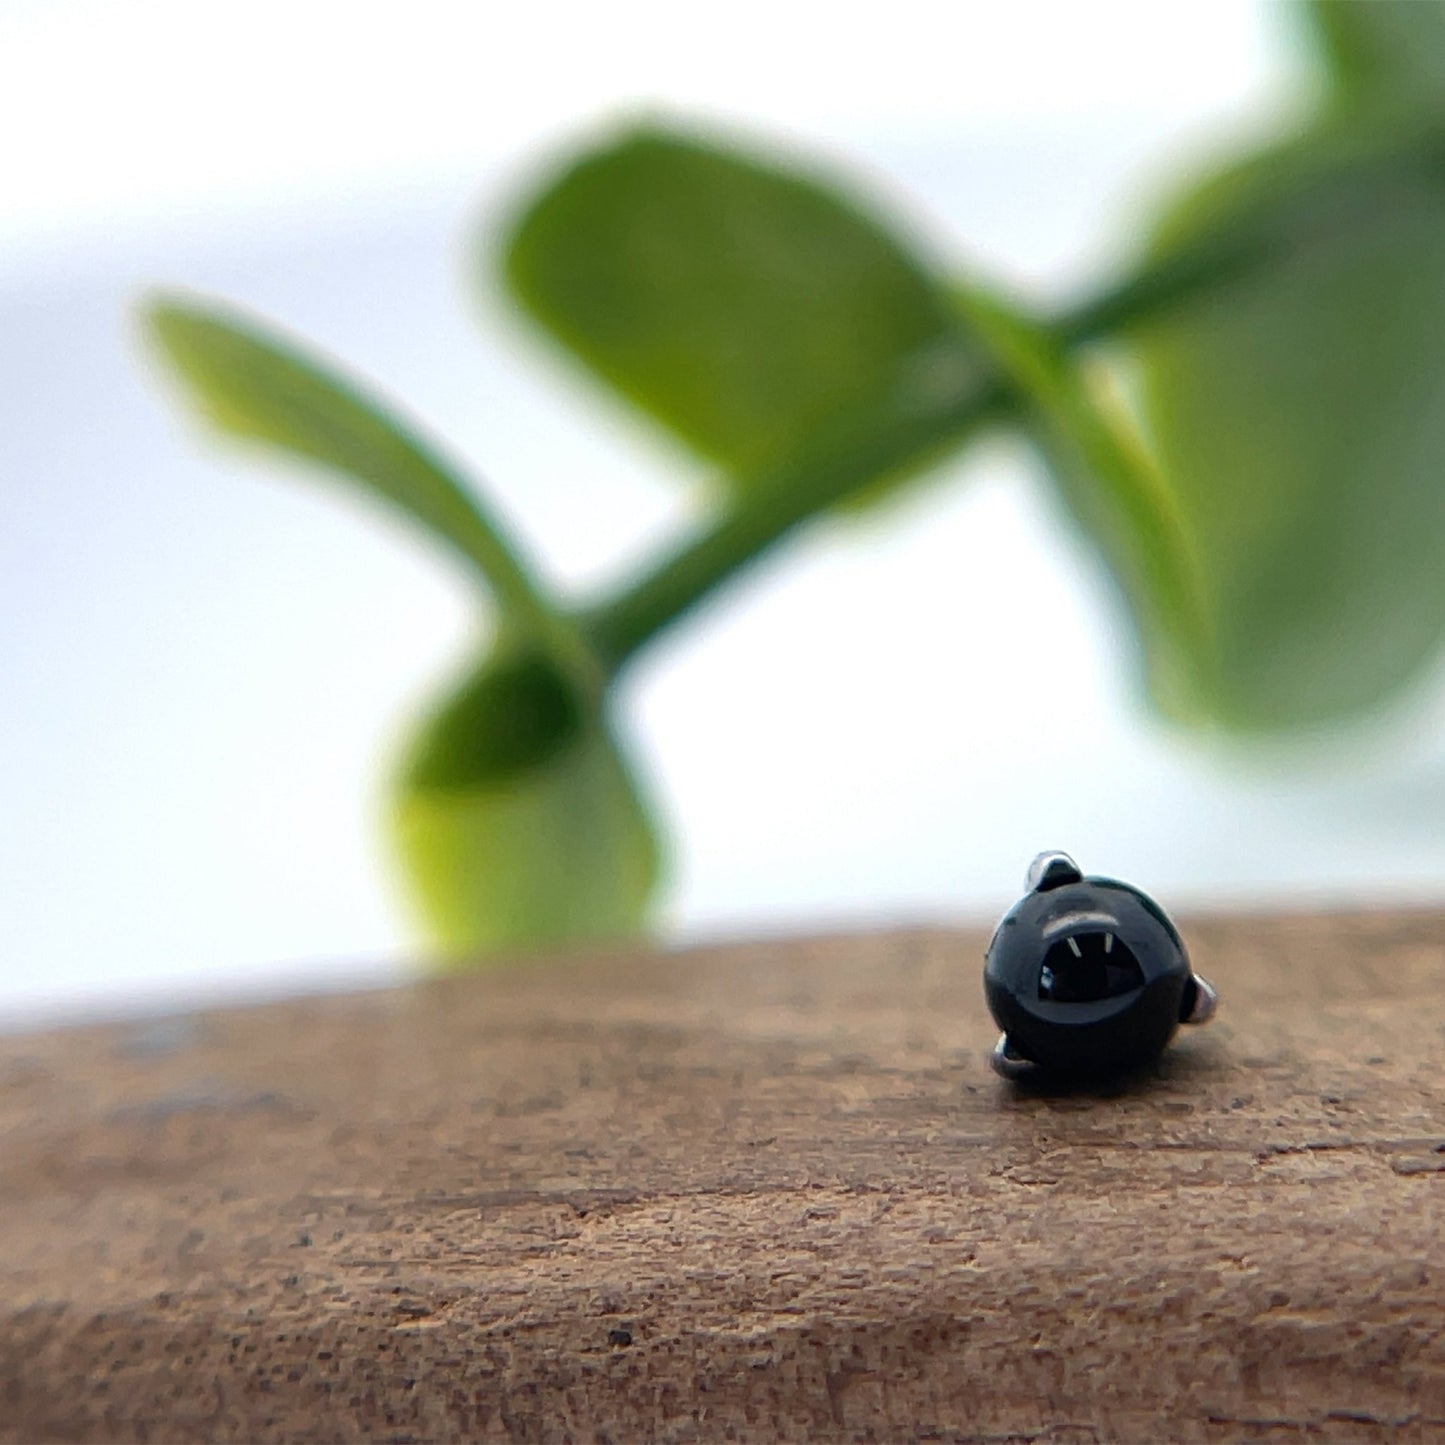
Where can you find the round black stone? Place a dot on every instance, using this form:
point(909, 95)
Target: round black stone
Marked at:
point(1086, 977)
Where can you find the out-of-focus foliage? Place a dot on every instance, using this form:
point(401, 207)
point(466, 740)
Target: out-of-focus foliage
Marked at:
point(1384, 56)
point(1269, 509)
point(1299, 416)
point(517, 820)
point(514, 816)
point(743, 306)
point(1299, 413)
point(1114, 492)
point(258, 387)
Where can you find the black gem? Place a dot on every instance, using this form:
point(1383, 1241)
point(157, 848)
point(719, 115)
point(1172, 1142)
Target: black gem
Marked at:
point(1086, 976)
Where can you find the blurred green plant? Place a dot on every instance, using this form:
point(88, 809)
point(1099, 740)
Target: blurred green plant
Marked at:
point(1270, 504)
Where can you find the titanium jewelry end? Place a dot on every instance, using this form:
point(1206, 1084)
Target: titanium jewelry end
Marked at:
point(1009, 1065)
point(1051, 870)
point(1201, 1007)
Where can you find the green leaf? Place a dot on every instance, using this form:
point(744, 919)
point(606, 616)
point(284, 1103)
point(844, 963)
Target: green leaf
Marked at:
point(1116, 496)
point(516, 821)
point(741, 304)
point(257, 385)
point(1385, 52)
point(1299, 415)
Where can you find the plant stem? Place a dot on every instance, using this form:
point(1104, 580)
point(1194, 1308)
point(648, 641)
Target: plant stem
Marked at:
point(790, 496)
point(775, 505)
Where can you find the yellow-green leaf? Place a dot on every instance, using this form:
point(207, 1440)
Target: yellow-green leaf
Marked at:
point(1116, 495)
point(253, 383)
point(516, 821)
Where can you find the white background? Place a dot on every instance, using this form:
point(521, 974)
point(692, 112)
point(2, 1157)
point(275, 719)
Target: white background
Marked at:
point(205, 662)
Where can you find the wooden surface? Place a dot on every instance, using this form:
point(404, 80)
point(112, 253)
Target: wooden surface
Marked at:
point(747, 1193)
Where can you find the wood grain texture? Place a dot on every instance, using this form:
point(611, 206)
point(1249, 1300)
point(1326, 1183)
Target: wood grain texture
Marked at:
point(755, 1192)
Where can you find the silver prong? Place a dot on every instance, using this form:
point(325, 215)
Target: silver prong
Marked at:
point(1007, 1064)
point(1074, 945)
point(1051, 870)
point(1108, 943)
point(1206, 1000)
